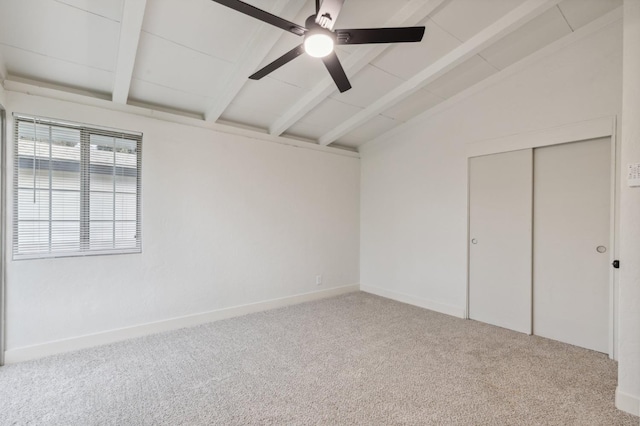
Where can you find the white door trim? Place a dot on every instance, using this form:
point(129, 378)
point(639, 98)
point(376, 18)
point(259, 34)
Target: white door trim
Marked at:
point(590, 129)
point(572, 132)
point(613, 239)
point(3, 228)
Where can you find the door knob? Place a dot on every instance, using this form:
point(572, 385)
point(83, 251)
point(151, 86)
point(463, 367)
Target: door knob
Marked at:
point(601, 249)
point(474, 241)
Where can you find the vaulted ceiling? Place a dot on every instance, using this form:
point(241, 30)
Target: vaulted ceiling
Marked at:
point(194, 56)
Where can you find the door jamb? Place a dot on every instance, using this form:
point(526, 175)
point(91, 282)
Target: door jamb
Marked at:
point(3, 229)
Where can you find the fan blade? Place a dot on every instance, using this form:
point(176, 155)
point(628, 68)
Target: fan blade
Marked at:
point(334, 67)
point(328, 13)
point(379, 35)
point(263, 16)
point(287, 57)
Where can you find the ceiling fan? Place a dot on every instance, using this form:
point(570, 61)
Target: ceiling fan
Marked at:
point(320, 37)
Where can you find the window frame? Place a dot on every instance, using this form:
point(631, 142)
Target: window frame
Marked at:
point(84, 176)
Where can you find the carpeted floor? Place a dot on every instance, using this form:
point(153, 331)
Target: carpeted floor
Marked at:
point(353, 359)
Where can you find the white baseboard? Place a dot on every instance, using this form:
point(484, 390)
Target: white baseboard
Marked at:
point(416, 301)
point(627, 402)
point(87, 341)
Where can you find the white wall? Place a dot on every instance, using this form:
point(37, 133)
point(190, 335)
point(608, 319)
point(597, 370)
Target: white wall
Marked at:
point(628, 393)
point(414, 185)
point(227, 221)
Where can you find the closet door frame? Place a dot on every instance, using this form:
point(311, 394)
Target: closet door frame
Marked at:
point(574, 132)
point(3, 228)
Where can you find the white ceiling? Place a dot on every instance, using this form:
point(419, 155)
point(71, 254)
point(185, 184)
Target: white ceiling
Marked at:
point(194, 56)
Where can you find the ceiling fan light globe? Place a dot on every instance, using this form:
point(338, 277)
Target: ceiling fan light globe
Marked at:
point(318, 45)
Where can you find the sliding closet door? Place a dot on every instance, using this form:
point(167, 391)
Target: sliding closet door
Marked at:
point(572, 187)
point(500, 203)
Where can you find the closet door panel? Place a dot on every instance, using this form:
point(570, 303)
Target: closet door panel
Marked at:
point(500, 221)
point(572, 184)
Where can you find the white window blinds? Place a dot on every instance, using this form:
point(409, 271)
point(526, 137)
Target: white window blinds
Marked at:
point(76, 189)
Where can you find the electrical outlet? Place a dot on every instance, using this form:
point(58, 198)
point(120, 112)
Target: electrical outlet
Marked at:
point(318, 279)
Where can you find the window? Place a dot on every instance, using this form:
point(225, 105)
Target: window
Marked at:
point(76, 189)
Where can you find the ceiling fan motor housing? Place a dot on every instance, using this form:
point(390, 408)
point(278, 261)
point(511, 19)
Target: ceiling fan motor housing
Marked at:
point(316, 28)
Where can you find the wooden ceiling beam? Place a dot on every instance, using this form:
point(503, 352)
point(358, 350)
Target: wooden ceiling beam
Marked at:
point(412, 14)
point(130, 28)
point(257, 49)
point(485, 38)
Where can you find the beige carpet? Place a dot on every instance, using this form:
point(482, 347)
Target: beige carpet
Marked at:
point(354, 359)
